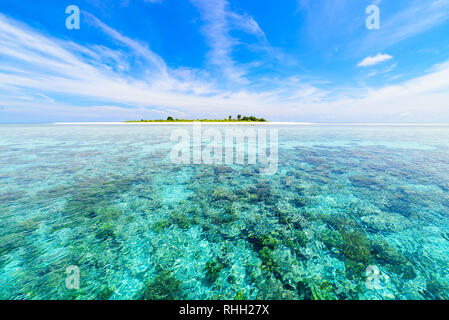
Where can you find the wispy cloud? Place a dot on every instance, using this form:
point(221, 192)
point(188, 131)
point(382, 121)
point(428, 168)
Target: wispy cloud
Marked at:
point(371, 61)
point(383, 70)
point(154, 60)
point(219, 21)
point(81, 84)
point(417, 17)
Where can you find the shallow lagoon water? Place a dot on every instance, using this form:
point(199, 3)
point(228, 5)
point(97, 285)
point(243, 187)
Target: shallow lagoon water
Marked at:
point(107, 198)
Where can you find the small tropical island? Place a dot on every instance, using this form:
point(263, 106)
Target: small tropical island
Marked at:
point(229, 119)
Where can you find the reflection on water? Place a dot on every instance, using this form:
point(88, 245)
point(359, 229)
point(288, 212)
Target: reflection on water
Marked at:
point(108, 200)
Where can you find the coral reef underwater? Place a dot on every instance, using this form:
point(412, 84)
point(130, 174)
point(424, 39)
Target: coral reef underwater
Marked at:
point(108, 200)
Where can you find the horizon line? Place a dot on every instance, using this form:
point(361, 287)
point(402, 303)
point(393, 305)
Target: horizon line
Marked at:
point(234, 123)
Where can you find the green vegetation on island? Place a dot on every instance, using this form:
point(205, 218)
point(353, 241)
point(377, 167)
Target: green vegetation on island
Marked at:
point(229, 119)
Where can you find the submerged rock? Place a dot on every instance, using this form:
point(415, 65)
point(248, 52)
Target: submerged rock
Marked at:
point(221, 193)
point(364, 182)
point(400, 205)
point(299, 202)
point(222, 170)
point(436, 290)
point(385, 222)
point(213, 269)
point(164, 287)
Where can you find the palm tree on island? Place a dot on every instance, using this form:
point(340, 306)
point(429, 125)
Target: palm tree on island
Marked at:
point(230, 119)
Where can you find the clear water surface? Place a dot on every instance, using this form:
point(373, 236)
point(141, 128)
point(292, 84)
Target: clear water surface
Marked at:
point(107, 198)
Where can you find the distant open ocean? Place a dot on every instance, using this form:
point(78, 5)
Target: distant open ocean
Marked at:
point(353, 212)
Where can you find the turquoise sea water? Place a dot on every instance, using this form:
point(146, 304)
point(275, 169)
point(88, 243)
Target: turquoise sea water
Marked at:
point(107, 198)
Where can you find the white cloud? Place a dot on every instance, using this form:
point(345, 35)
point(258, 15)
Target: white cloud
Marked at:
point(371, 61)
point(219, 21)
point(83, 86)
point(141, 50)
point(383, 70)
point(416, 18)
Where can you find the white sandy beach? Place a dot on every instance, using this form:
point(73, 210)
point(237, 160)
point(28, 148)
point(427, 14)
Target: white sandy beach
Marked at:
point(254, 123)
point(187, 123)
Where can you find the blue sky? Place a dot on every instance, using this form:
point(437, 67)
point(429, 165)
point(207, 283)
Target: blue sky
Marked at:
point(290, 60)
